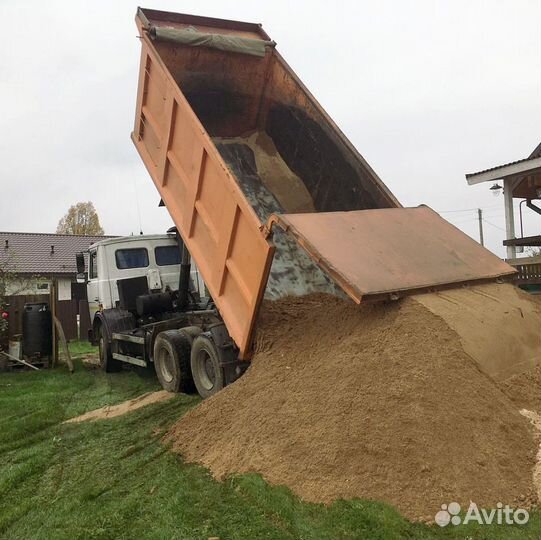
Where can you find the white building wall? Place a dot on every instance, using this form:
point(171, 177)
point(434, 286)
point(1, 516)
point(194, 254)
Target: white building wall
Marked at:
point(32, 285)
point(37, 285)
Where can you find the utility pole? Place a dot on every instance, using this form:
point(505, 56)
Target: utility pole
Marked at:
point(480, 216)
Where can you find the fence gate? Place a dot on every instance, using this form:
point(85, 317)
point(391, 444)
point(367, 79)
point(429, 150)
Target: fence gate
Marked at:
point(66, 313)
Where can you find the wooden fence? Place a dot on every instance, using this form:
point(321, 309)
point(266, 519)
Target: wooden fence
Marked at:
point(16, 309)
point(66, 312)
point(528, 273)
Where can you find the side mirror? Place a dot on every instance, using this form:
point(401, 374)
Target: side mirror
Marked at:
point(81, 277)
point(80, 258)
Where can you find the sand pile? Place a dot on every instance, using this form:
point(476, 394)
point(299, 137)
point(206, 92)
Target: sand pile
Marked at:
point(498, 325)
point(379, 402)
point(524, 389)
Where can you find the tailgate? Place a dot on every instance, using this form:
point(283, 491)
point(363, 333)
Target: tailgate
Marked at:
point(382, 253)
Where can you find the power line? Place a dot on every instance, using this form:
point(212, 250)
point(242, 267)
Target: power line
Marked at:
point(456, 211)
point(492, 224)
point(469, 220)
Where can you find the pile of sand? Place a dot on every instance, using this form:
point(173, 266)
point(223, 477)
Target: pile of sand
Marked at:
point(379, 402)
point(498, 326)
point(524, 389)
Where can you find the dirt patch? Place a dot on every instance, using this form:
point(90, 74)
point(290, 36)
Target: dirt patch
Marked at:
point(111, 411)
point(91, 360)
point(380, 402)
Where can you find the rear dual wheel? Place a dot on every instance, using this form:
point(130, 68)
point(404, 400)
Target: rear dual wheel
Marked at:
point(207, 371)
point(186, 360)
point(172, 360)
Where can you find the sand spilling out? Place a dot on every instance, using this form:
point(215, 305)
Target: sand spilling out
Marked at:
point(111, 411)
point(289, 190)
point(382, 402)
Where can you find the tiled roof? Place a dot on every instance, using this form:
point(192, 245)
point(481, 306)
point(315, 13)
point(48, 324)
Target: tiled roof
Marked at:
point(40, 253)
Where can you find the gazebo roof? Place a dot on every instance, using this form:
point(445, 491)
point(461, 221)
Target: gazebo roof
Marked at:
point(524, 174)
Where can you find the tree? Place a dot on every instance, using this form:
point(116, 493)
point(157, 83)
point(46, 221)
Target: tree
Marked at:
point(81, 219)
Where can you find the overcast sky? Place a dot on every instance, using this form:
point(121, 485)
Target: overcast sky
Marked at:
point(427, 90)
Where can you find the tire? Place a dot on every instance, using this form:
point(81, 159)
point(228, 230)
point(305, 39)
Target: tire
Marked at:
point(172, 361)
point(107, 362)
point(207, 372)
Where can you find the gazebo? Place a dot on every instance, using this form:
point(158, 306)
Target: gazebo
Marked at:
point(521, 180)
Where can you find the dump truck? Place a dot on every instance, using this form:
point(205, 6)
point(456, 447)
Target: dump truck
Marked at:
point(269, 198)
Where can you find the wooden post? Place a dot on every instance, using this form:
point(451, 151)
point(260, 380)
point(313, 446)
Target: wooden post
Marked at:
point(61, 335)
point(480, 217)
point(509, 216)
point(53, 295)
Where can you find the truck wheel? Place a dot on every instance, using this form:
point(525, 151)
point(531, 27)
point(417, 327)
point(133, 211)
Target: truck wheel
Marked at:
point(207, 373)
point(107, 362)
point(172, 361)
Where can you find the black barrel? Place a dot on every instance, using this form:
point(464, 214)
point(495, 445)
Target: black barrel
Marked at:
point(37, 329)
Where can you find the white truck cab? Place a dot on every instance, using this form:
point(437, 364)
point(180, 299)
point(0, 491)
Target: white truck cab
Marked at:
point(149, 307)
point(155, 256)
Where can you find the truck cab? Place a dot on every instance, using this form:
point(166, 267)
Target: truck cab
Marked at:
point(156, 257)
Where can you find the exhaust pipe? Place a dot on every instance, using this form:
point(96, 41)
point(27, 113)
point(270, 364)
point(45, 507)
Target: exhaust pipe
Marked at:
point(184, 278)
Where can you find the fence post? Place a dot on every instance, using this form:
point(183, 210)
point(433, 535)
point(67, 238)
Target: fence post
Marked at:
point(53, 313)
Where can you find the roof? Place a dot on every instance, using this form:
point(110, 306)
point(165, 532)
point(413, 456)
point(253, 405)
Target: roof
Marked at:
point(41, 253)
point(500, 171)
point(536, 152)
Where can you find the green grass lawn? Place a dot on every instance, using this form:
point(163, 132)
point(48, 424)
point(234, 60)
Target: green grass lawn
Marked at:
point(114, 479)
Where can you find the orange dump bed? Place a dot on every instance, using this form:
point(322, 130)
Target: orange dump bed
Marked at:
point(235, 143)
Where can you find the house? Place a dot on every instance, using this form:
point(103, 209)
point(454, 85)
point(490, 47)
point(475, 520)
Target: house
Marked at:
point(34, 260)
point(521, 180)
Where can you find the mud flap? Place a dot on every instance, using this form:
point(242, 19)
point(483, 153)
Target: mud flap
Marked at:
point(232, 367)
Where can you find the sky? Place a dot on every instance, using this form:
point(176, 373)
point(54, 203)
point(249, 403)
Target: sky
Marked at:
point(427, 90)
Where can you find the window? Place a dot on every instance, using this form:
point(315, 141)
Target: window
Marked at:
point(167, 255)
point(131, 258)
point(43, 287)
point(93, 271)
